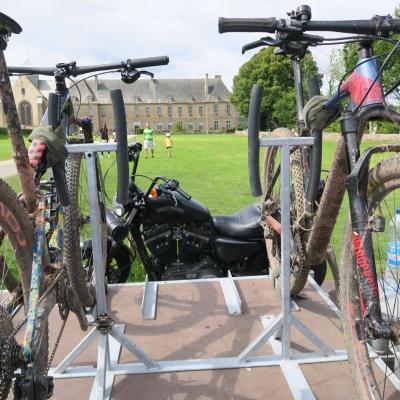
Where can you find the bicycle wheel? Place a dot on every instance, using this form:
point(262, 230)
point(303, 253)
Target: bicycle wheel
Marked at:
point(271, 195)
point(77, 229)
point(16, 246)
point(373, 373)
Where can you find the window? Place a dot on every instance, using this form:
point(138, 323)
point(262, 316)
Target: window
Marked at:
point(170, 126)
point(159, 127)
point(216, 109)
point(190, 110)
point(228, 124)
point(180, 111)
point(147, 111)
point(228, 109)
point(90, 110)
point(23, 91)
point(216, 126)
point(169, 110)
point(201, 110)
point(201, 126)
point(135, 110)
point(103, 111)
point(158, 110)
point(25, 113)
point(190, 126)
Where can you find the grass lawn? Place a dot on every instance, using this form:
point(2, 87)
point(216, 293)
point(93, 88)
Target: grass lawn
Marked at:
point(5, 147)
point(213, 169)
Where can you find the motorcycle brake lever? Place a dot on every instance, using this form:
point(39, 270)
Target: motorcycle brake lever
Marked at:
point(265, 41)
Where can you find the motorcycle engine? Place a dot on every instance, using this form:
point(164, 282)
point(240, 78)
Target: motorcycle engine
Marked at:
point(181, 250)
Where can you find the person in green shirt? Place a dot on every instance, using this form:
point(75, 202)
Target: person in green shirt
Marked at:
point(148, 140)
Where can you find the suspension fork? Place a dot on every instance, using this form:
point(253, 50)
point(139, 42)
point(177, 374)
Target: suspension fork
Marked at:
point(357, 188)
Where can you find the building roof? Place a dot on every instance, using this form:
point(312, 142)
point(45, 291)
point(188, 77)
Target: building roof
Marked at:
point(153, 90)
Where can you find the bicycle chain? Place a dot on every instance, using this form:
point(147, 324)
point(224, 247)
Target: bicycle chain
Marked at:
point(57, 342)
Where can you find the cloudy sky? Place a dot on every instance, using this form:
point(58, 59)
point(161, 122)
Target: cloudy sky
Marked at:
point(102, 31)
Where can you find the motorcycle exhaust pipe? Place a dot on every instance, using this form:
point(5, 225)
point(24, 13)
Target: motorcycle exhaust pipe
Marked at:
point(116, 229)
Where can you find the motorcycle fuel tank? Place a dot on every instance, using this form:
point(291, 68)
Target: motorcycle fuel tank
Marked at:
point(173, 208)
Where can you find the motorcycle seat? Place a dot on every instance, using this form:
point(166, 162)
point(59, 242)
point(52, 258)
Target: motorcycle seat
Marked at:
point(245, 224)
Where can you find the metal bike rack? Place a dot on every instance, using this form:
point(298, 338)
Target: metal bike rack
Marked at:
point(277, 329)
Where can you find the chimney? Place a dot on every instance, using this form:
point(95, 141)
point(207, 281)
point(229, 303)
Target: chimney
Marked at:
point(206, 85)
point(153, 94)
point(96, 83)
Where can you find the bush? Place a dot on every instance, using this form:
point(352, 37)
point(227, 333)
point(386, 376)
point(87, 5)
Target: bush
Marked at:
point(25, 131)
point(177, 128)
point(139, 131)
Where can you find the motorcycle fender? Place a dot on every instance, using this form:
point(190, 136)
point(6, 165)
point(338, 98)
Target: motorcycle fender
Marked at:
point(230, 250)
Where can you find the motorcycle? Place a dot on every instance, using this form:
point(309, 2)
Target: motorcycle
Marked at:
point(176, 237)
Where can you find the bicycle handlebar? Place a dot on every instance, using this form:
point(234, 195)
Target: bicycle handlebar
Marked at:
point(378, 25)
point(72, 70)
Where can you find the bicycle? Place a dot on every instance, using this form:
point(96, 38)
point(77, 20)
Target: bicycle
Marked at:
point(371, 328)
point(45, 276)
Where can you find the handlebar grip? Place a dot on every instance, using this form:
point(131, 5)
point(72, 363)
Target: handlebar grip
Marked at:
point(313, 87)
point(149, 62)
point(187, 196)
point(53, 110)
point(122, 145)
point(247, 25)
point(254, 141)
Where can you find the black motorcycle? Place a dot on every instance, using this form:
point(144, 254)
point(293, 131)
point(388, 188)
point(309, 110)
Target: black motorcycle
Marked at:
point(176, 237)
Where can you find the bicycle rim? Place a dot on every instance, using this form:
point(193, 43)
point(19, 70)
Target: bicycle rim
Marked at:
point(375, 363)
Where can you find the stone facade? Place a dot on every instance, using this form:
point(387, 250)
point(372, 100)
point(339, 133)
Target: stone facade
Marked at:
point(198, 105)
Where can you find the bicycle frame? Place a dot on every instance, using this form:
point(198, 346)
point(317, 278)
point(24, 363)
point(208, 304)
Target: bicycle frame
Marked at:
point(347, 164)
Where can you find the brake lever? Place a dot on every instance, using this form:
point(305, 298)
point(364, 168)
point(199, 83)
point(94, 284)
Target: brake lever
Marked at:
point(132, 75)
point(265, 41)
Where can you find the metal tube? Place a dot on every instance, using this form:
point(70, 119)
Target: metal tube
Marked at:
point(298, 84)
point(285, 249)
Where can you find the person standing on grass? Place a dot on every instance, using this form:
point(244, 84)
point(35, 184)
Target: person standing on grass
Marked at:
point(168, 144)
point(148, 140)
point(103, 133)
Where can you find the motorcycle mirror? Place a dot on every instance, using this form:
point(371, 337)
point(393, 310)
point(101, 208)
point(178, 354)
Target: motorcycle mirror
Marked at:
point(254, 141)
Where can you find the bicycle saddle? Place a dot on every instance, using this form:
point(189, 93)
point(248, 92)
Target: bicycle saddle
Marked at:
point(8, 25)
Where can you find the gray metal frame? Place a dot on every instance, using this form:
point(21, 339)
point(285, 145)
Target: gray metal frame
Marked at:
point(274, 327)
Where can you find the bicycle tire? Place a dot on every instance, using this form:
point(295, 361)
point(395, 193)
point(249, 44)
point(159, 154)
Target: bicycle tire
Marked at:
point(384, 179)
point(16, 231)
point(300, 269)
point(72, 229)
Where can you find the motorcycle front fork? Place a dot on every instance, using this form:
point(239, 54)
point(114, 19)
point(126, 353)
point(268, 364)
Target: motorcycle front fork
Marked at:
point(357, 188)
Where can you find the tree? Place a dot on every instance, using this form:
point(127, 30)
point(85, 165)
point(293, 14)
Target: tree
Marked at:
point(275, 73)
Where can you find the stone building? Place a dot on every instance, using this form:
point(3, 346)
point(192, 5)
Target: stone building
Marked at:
point(198, 105)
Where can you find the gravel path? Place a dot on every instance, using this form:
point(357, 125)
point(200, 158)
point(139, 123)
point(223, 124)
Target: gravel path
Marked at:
point(7, 169)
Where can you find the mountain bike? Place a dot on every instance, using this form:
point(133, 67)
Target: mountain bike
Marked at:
point(41, 262)
point(371, 322)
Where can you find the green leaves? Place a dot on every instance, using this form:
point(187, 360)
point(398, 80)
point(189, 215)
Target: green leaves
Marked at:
point(275, 73)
